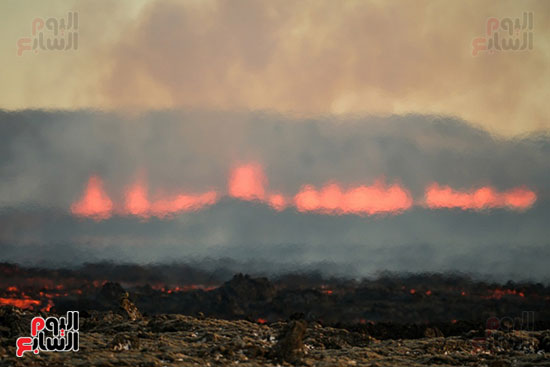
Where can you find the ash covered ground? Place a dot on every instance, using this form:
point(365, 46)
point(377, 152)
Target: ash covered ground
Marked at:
point(181, 315)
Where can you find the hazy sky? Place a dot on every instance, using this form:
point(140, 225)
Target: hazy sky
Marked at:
point(313, 57)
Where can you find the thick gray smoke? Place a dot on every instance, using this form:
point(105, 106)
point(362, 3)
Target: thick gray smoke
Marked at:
point(47, 157)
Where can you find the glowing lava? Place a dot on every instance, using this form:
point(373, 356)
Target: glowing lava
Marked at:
point(138, 204)
point(95, 203)
point(499, 293)
point(369, 200)
point(136, 200)
point(483, 198)
point(247, 182)
point(183, 203)
point(277, 202)
point(20, 302)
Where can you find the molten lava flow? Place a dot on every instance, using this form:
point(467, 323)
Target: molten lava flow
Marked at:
point(247, 182)
point(95, 203)
point(19, 302)
point(48, 307)
point(331, 199)
point(483, 198)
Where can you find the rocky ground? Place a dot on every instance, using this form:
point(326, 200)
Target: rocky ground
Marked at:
point(114, 339)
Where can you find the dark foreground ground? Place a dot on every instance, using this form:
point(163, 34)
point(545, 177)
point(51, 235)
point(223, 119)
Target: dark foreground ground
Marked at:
point(113, 339)
point(183, 316)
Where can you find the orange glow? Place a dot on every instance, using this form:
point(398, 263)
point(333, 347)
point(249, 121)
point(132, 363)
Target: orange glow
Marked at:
point(369, 200)
point(48, 307)
point(95, 203)
point(184, 288)
point(483, 198)
point(261, 321)
point(136, 200)
point(19, 302)
point(12, 289)
point(520, 198)
point(277, 202)
point(247, 182)
point(183, 203)
point(499, 293)
point(307, 199)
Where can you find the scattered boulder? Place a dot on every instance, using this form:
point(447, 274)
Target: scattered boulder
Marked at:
point(290, 347)
point(544, 341)
point(122, 342)
point(513, 341)
point(128, 308)
point(433, 332)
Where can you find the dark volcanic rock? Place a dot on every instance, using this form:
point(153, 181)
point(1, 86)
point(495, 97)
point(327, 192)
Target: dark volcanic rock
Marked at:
point(290, 347)
point(245, 287)
point(109, 296)
point(386, 307)
point(178, 340)
point(544, 343)
point(432, 332)
point(516, 340)
point(14, 322)
point(500, 363)
point(240, 296)
point(111, 291)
